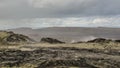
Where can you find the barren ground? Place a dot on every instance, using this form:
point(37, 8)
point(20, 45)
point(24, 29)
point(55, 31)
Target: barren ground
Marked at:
point(83, 55)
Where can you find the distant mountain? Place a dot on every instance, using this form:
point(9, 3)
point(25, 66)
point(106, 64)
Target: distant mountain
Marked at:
point(70, 34)
point(12, 38)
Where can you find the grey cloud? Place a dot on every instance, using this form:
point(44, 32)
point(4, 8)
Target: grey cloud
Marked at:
point(20, 9)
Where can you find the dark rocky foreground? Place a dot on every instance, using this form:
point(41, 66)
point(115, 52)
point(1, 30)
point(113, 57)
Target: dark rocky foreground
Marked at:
point(63, 57)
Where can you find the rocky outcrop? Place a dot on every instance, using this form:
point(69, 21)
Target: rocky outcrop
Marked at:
point(117, 41)
point(99, 40)
point(12, 38)
point(51, 40)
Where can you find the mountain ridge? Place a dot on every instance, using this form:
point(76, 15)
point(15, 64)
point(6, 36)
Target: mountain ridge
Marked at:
point(69, 34)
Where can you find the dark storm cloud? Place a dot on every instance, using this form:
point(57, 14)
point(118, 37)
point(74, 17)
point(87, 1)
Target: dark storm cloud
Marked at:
point(21, 9)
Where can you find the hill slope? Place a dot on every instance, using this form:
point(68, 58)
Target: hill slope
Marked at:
point(12, 38)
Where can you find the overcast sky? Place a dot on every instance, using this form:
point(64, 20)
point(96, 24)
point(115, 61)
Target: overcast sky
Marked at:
point(56, 13)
